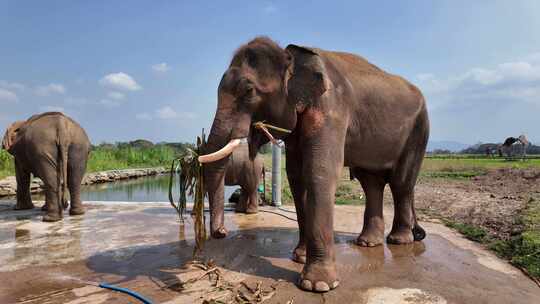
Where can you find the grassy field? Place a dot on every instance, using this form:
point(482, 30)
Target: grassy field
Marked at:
point(522, 249)
point(464, 166)
point(7, 167)
point(461, 167)
point(102, 159)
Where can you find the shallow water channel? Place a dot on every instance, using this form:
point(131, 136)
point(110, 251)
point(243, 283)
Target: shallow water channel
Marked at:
point(143, 189)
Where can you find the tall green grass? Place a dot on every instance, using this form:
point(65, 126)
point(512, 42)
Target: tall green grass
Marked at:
point(102, 159)
point(7, 166)
point(110, 158)
point(468, 166)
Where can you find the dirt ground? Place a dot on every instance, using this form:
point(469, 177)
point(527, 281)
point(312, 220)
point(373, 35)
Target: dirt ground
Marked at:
point(492, 201)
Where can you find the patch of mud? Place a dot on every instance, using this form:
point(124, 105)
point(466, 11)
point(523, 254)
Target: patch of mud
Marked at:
point(492, 201)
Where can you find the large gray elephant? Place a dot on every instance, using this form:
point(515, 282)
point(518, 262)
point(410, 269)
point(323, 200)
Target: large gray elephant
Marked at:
point(342, 110)
point(54, 148)
point(245, 172)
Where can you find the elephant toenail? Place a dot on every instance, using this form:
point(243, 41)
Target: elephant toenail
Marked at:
point(321, 286)
point(335, 284)
point(306, 285)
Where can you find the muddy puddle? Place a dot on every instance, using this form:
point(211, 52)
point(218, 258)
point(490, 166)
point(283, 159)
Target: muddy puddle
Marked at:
point(144, 247)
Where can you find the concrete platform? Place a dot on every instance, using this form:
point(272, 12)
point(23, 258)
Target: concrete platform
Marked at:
point(143, 247)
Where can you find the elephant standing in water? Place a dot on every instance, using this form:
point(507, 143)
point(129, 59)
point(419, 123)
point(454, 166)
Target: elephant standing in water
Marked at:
point(54, 148)
point(342, 110)
point(245, 172)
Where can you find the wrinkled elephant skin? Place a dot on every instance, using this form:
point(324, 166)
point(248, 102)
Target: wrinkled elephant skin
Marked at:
point(343, 111)
point(54, 148)
point(246, 172)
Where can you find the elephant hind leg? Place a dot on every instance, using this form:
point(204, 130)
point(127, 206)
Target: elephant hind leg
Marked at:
point(252, 202)
point(373, 229)
point(405, 228)
point(76, 169)
point(47, 171)
point(241, 205)
point(24, 198)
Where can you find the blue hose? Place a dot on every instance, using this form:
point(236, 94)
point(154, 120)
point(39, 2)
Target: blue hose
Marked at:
point(126, 291)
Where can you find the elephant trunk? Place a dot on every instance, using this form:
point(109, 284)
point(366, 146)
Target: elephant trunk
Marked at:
point(214, 171)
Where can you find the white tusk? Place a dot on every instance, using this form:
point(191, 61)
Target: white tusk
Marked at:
point(224, 152)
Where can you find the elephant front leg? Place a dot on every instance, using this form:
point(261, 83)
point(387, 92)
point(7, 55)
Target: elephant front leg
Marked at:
point(24, 198)
point(321, 174)
point(298, 189)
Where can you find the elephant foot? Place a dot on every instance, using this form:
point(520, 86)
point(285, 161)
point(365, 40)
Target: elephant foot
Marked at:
point(402, 236)
point(299, 254)
point(252, 209)
point(219, 233)
point(319, 277)
point(76, 211)
point(370, 238)
point(51, 218)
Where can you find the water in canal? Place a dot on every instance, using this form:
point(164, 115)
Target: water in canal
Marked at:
point(143, 189)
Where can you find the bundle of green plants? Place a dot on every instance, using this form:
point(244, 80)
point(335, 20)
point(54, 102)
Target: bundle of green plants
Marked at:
point(190, 183)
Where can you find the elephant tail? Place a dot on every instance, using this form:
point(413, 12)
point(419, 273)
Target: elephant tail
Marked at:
point(264, 184)
point(63, 146)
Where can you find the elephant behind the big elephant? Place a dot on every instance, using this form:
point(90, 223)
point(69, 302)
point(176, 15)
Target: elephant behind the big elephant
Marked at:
point(246, 173)
point(55, 148)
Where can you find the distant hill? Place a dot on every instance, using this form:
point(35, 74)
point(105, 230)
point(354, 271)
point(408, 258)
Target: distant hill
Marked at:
point(452, 146)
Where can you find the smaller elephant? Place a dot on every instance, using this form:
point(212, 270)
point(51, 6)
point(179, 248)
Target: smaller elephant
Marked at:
point(246, 173)
point(54, 148)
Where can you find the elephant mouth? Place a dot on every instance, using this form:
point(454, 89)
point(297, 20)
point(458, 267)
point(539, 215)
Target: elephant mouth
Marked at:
point(223, 152)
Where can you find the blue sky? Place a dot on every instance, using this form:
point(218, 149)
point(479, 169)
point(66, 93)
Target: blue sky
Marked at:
point(150, 69)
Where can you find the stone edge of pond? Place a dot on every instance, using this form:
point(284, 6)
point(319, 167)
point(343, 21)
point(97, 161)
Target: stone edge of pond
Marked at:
point(8, 185)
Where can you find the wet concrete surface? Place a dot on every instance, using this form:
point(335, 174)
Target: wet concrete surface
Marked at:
point(143, 247)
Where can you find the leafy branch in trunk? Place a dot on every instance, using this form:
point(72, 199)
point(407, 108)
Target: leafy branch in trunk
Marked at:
point(190, 183)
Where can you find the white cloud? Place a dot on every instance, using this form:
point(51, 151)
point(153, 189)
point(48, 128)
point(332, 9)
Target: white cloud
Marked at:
point(75, 100)
point(120, 81)
point(52, 88)
point(166, 113)
point(116, 95)
point(518, 80)
point(485, 103)
point(161, 67)
point(12, 85)
point(52, 109)
point(143, 116)
point(110, 103)
point(8, 96)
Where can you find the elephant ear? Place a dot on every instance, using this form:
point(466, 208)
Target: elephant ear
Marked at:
point(308, 78)
point(10, 137)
